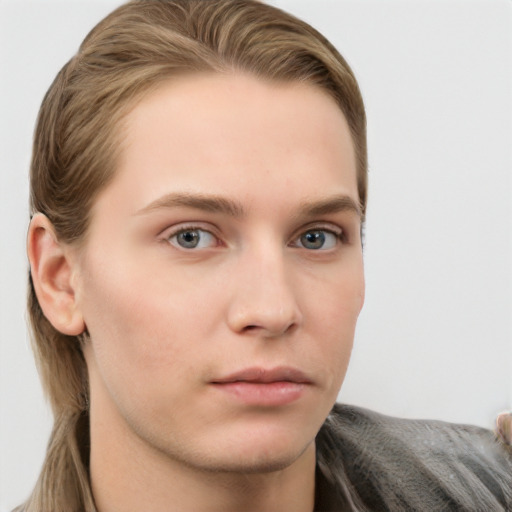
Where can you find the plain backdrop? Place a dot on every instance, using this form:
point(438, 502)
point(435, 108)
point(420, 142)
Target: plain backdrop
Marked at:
point(435, 336)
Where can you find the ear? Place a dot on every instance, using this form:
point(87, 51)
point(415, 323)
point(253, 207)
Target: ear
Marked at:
point(51, 267)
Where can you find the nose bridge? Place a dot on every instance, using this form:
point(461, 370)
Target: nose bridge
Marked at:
point(263, 300)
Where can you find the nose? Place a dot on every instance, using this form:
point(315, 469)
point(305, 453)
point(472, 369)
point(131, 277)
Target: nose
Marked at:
point(263, 302)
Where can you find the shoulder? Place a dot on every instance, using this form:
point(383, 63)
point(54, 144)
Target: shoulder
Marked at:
point(398, 464)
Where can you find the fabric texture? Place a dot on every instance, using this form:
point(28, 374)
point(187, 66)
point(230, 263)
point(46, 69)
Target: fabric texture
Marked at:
point(371, 462)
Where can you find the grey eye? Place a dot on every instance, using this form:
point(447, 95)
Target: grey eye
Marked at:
point(192, 239)
point(318, 239)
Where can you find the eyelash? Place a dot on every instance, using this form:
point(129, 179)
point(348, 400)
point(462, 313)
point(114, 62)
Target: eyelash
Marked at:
point(337, 233)
point(191, 228)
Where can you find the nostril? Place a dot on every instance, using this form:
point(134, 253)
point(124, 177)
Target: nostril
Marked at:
point(265, 320)
point(270, 332)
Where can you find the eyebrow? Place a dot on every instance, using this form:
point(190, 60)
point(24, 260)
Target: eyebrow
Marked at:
point(219, 204)
point(204, 202)
point(335, 204)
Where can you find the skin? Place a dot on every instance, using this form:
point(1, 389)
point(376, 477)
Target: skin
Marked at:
point(264, 174)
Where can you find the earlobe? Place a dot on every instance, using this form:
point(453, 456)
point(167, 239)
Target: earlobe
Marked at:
point(51, 268)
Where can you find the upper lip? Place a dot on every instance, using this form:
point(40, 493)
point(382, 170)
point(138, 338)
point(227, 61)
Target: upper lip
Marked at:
point(265, 376)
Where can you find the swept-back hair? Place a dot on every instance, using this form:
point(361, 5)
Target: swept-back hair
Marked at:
point(78, 139)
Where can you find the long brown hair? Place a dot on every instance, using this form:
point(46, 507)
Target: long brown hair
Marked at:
point(78, 138)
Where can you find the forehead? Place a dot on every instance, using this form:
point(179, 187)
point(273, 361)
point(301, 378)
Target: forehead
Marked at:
point(235, 134)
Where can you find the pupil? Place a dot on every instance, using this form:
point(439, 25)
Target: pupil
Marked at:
point(188, 238)
point(313, 240)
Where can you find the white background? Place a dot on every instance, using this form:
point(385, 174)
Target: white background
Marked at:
point(435, 337)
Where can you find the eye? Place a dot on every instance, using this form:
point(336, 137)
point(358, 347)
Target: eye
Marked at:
point(318, 239)
point(192, 238)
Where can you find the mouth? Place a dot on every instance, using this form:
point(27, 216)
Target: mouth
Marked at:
point(264, 387)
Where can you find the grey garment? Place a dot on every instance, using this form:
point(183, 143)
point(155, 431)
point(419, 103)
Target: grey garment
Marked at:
point(370, 462)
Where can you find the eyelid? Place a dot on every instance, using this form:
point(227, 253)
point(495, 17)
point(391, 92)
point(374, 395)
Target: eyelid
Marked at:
point(169, 232)
point(321, 226)
point(175, 230)
point(328, 227)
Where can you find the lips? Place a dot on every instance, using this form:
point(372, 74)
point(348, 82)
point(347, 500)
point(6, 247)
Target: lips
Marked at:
point(264, 387)
point(265, 376)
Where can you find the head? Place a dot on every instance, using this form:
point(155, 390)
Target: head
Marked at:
point(137, 59)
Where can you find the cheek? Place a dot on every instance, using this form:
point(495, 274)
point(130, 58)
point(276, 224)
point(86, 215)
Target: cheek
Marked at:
point(139, 326)
point(333, 314)
point(140, 351)
point(339, 296)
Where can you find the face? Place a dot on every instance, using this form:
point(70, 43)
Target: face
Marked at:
point(222, 275)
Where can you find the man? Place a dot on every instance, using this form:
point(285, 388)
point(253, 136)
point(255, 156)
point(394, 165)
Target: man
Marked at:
point(196, 264)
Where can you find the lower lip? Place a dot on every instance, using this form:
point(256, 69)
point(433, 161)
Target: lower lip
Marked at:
point(263, 393)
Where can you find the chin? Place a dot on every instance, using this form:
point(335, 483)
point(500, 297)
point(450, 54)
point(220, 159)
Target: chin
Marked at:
point(263, 466)
point(250, 463)
point(248, 444)
point(255, 452)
